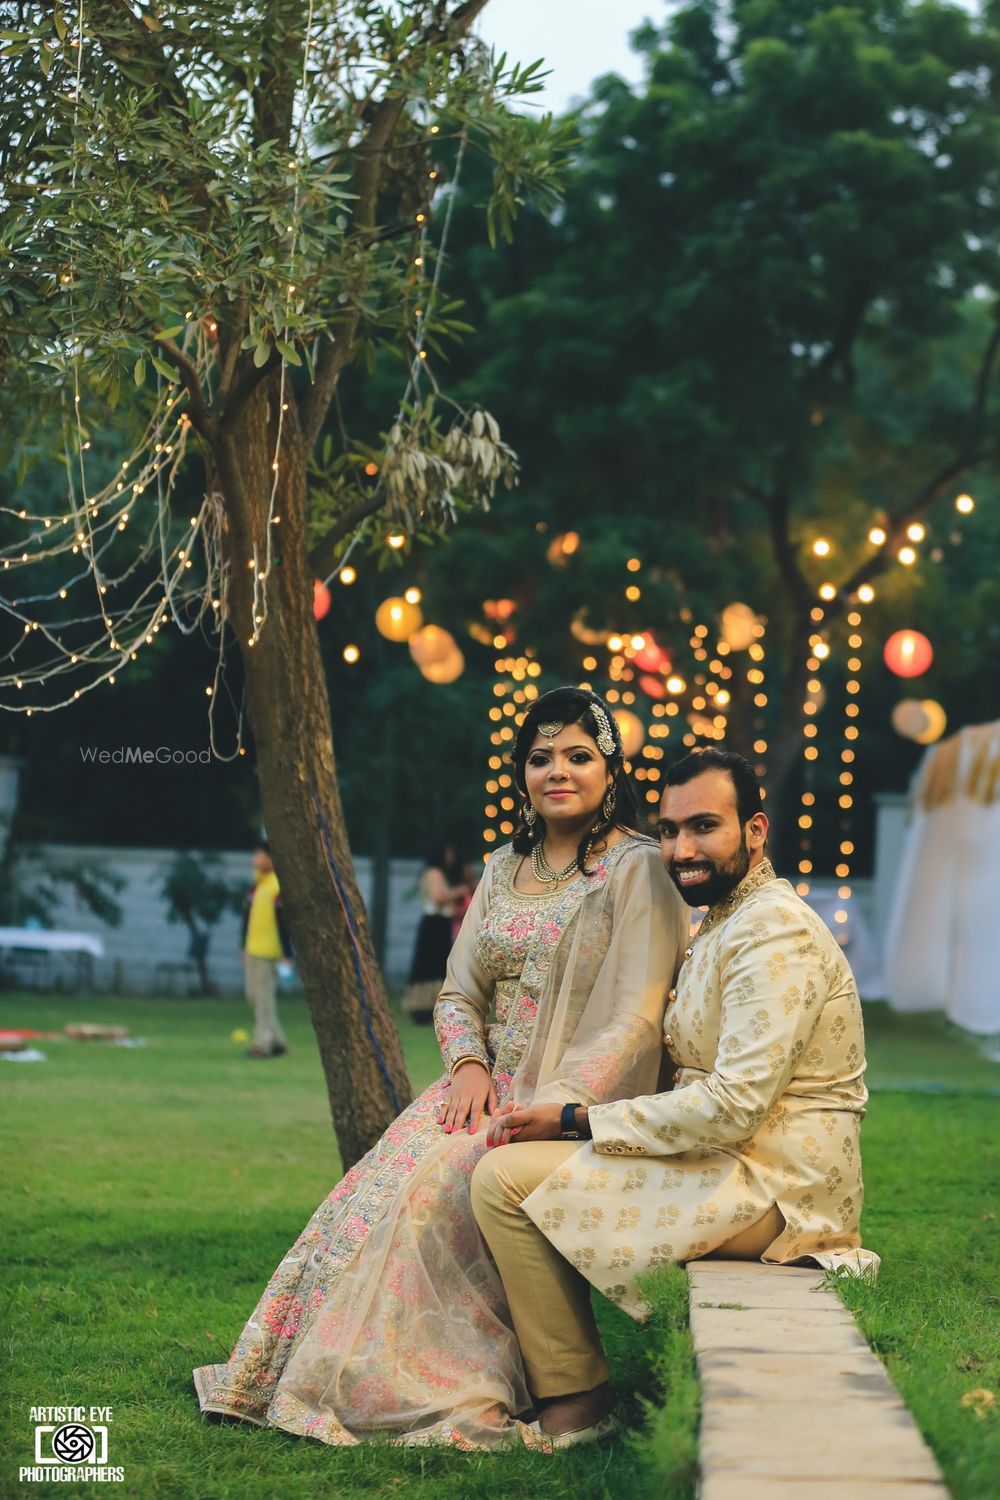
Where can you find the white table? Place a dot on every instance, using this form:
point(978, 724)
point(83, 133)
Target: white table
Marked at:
point(42, 943)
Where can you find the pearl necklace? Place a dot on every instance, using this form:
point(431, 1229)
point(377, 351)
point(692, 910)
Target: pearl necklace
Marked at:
point(543, 871)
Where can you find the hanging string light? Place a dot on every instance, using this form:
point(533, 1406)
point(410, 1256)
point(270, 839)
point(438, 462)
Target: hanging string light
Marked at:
point(515, 687)
point(819, 651)
point(845, 796)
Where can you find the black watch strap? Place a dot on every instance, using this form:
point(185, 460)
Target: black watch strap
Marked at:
point(567, 1123)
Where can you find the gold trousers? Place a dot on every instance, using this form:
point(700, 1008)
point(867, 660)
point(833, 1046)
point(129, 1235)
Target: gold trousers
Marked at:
point(549, 1299)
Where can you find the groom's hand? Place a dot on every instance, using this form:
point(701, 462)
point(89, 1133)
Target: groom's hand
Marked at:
point(533, 1122)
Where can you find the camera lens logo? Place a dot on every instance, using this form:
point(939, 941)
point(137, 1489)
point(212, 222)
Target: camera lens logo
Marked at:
point(72, 1443)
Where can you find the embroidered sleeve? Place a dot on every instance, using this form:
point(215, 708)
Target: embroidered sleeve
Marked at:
point(773, 986)
point(464, 1002)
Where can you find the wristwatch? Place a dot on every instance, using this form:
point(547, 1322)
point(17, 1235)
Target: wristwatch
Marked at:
point(567, 1124)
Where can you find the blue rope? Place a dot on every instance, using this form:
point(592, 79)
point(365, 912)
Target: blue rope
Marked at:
point(352, 927)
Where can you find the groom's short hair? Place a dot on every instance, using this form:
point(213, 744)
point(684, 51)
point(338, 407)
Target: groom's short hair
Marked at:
point(745, 784)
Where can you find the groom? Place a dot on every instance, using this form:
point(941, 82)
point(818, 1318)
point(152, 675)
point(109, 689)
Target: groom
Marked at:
point(754, 1150)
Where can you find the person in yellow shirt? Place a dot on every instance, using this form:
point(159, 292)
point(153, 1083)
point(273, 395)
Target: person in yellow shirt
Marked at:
point(265, 944)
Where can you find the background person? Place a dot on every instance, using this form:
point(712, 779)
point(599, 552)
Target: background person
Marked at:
point(442, 891)
point(265, 944)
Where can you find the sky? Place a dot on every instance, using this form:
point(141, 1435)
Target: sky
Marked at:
point(579, 40)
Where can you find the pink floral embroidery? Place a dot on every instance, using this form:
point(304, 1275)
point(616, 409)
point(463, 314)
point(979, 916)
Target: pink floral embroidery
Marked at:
point(550, 934)
point(527, 1008)
point(521, 926)
point(356, 1229)
point(598, 875)
point(502, 1083)
point(283, 1315)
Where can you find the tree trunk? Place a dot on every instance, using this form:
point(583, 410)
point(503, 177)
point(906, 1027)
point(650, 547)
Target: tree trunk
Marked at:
point(289, 713)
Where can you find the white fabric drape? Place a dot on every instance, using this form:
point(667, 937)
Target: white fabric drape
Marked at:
point(943, 941)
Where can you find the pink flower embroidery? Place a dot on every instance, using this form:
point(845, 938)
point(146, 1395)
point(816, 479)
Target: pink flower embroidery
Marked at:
point(405, 1162)
point(521, 926)
point(527, 1008)
point(598, 875)
point(551, 933)
point(282, 1316)
point(501, 1084)
point(356, 1229)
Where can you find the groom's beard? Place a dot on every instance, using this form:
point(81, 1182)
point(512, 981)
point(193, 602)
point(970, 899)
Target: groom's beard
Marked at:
point(719, 880)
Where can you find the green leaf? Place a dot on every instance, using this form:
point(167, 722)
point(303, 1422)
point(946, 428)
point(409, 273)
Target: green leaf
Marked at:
point(139, 370)
point(164, 367)
point(260, 355)
point(288, 351)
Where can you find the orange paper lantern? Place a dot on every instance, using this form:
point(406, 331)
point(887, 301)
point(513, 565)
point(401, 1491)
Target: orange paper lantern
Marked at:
point(908, 653)
point(432, 644)
point(321, 599)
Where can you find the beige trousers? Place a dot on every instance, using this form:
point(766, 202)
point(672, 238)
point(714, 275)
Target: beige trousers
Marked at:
point(260, 983)
point(549, 1299)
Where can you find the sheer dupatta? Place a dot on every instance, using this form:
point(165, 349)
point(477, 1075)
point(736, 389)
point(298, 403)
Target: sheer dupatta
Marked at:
point(601, 1001)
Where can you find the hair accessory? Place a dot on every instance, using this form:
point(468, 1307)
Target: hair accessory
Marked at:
point(607, 740)
point(550, 731)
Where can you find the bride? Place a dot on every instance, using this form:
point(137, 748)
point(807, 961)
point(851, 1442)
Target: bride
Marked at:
point(387, 1316)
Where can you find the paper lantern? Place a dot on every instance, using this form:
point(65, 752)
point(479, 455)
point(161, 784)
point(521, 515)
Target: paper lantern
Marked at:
point(739, 626)
point(652, 658)
point(431, 644)
point(321, 599)
point(910, 719)
point(653, 687)
point(562, 548)
point(447, 669)
point(937, 722)
point(397, 620)
point(632, 732)
point(908, 653)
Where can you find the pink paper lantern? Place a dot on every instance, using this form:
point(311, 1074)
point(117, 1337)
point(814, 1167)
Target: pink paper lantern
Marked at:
point(908, 653)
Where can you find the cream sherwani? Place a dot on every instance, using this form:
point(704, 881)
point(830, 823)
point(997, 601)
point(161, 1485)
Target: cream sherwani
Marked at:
point(765, 1028)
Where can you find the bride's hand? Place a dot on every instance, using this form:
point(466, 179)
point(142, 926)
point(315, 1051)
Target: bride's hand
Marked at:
point(471, 1093)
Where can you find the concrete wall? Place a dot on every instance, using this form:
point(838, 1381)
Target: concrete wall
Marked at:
point(137, 952)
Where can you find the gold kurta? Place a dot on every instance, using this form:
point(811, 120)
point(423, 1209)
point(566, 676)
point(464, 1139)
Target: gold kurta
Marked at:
point(765, 1028)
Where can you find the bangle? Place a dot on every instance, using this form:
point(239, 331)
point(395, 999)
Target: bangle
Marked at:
point(456, 1065)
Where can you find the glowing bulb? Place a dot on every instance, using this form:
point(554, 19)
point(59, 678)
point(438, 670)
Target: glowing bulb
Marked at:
point(916, 532)
point(821, 547)
point(866, 593)
point(965, 504)
point(348, 574)
point(877, 536)
point(907, 556)
point(827, 591)
point(822, 650)
point(396, 539)
point(412, 596)
point(351, 654)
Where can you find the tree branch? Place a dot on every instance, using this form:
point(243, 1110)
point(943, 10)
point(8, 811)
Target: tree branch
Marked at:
point(197, 410)
point(247, 378)
point(367, 179)
point(925, 497)
point(323, 556)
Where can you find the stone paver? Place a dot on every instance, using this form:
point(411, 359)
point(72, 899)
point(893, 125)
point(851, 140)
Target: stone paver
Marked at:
point(795, 1406)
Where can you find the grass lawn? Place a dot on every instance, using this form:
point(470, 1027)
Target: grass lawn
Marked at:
point(148, 1193)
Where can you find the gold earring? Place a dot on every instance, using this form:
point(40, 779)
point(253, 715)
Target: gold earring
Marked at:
point(529, 814)
point(608, 806)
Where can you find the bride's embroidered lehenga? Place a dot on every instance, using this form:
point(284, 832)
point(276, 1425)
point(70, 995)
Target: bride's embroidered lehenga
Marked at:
point(387, 1316)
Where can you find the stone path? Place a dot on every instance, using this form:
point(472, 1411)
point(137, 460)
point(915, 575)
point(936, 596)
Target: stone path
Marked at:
point(795, 1406)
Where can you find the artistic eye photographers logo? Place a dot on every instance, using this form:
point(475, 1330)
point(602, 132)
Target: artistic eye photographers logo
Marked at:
point(71, 1443)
